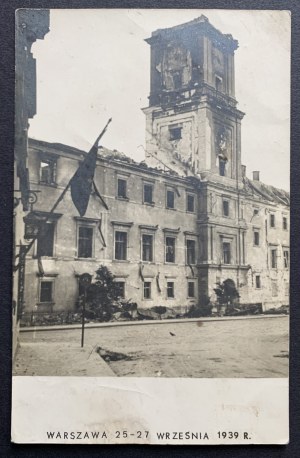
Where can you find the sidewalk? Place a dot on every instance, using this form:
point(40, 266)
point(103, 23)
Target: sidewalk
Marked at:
point(57, 359)
point(62, 327)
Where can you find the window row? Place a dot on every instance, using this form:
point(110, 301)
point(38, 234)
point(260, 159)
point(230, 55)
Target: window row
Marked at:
point(148, 194)
point(85, 245)
point(170, 289)
point(273, 223)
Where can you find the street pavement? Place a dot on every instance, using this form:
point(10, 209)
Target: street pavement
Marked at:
point(201, 348)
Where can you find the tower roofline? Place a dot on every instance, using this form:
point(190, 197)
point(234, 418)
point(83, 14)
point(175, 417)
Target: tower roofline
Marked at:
point(201, 26)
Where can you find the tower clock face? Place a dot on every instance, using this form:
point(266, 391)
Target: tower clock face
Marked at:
point(176, 66)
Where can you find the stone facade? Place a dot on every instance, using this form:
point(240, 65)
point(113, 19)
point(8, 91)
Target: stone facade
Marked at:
point(180, 222)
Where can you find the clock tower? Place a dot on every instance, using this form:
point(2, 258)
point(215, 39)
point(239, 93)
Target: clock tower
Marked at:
point(193, 125)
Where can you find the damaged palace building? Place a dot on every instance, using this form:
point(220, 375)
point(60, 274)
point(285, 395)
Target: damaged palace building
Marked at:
point(175, 225)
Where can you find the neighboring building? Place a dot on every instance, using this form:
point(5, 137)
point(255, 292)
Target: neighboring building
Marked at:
point(30, 26)
point(183, 221)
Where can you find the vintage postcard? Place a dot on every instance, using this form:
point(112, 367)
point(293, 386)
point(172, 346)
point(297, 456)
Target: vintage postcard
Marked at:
point(151, 227)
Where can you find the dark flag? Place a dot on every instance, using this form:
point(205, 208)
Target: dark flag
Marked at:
point(81, 183)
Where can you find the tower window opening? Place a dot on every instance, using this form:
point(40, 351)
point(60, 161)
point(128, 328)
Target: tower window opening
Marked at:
point(175, 133)
point(222, 168)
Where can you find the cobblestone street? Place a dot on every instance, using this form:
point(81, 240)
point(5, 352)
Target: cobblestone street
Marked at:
point(234, 348)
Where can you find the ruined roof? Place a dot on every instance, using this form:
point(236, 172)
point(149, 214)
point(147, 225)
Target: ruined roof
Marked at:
point(267, 192)
point(200, 24)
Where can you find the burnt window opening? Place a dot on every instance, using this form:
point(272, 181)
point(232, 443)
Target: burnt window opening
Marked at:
point(147, 247)
point(175, 133)
point(256, 238)
point(257, 282)
point(190, 252)
point(191, 289)
point(226, 253)
point(122, 188)
point(121, 246)
point(272, 220)
point(170, 290)
point(148, 193)
point(46, 291)
point(45, 240)
point(147, 290)
point(85, 241)
point(286, 258)
point(48, 171)
point(225, 208)
point(170, 249)
point(190, 203)
point(170, 199)
point(120, 289)
point(274, 258)
point(284, 223)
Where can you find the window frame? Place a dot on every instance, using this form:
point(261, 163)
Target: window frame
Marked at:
point(273, 258)
point(175, 132)
point(225, 208)
point(188, 195)
point(191, 282)
point(229, 244)
point(256, 231)
point(147, 234)
point(257, 281)
point(149, 288)
point(187, 251)
point(167, 236)
point(286, 259)
point(285, 223)
point(124, 180)
point(42, 280)
point(118, 282)
point(168, 190)
point(121, 231)
point(39, 239)
point(170, 287)
point(151, 186)
point(272, 220)
point(51, 160)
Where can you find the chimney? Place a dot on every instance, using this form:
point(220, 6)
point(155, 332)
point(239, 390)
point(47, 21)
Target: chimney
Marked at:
point(255, 175)
point(243, 171)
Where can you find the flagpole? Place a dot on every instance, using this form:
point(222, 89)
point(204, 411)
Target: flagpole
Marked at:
point(61, 196)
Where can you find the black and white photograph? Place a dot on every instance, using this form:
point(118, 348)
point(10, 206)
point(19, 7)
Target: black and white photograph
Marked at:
point(151, 202)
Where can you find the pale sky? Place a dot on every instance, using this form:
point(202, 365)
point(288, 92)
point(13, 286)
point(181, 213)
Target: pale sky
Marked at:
point(94, 64)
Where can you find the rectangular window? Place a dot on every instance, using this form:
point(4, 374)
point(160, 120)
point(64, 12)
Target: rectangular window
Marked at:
point(48, 171)
point(121, 245)
point(46, 291)
point(148, 193)
point(120, 288)
point(170, 199)
point(170, 249)
point(191, 289)
point(274, 288)
point(147, 247)
point(257, 282)
point(190, 203)
point(122, 188)
point(175, 133)
point(274, 258)
point(226, 253)
point(85, 241)
point(45, 240)
point(272, 220)
point(170, 289)
point(190, 252)
point(286, 258)
point(147, 290)
point(225, 208)
point(284, 223)
point(256, 238)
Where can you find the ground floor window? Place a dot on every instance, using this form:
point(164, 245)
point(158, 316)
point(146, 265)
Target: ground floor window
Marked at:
point(147, 290)
point(274, 288)
point(120, 289)
point(46, 291)
point(257, 282)
point(170, 289)
point(191, 289)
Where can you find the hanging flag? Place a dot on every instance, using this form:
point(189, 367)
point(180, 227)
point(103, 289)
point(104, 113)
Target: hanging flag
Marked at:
point(81, 183)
